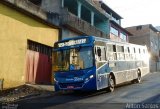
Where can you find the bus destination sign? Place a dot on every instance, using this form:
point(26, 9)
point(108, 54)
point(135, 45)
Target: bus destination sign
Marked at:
point(72, 42)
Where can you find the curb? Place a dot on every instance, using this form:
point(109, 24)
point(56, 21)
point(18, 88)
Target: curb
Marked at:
point(34, 96)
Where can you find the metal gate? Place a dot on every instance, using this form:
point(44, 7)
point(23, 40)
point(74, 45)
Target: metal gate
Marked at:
point(38, 63)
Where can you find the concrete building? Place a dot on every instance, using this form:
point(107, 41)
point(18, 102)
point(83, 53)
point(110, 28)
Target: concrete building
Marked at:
point(86, 17)
point(117, 33)
point(149, 36)
point(26, 38)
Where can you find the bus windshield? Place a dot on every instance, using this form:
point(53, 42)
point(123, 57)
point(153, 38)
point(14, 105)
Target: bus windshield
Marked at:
point(73, 59)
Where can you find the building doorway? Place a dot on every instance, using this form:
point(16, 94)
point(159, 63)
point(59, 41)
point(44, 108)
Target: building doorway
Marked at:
point(38, 63)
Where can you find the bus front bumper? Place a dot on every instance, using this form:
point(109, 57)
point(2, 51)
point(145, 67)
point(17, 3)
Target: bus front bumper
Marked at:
point(83, 86)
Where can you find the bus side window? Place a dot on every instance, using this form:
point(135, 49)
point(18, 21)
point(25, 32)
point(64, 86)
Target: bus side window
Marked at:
point(114, 52)
point(120, 52)
point(126, 51)
point(99, 53)
point(105, 52)
point(131, 53)
point(139, 54)
point(144, 51)
point(114, 48)
point(111, 52)
point(134, 50)
point(95, 50)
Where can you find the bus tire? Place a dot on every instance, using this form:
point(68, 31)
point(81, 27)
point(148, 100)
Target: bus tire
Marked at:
point(111, 83)
point(139, 78)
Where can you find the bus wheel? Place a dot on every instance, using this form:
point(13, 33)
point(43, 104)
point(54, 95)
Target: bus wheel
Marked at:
point(111, 83)
point(138, 80)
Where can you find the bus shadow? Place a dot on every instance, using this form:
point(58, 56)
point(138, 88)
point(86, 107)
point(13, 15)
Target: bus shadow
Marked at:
point(125, 84)
point(60, 98)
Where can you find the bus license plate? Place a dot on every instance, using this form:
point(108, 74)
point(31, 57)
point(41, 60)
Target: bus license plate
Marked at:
point(70, 87)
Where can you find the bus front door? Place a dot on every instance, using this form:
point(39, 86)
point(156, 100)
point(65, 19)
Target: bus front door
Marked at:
point(102, 78)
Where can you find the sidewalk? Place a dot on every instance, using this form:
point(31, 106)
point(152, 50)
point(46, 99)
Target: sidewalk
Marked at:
point(26, 91)
point(42, 87)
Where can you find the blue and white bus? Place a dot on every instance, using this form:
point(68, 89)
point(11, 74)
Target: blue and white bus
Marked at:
point(91, 63)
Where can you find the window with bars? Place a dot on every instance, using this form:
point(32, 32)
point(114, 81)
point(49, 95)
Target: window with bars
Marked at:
point(35, 46)
point(36, 2)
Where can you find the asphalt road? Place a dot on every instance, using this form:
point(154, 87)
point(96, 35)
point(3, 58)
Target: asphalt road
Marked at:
point(145, 95)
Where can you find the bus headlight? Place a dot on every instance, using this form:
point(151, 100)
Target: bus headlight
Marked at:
point(55, 80)
point(87, 79)
point(91, 76)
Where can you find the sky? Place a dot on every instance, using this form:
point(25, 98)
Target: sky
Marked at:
point(136, 12)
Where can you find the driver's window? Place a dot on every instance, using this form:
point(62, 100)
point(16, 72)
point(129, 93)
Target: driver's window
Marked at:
point(100, 53)
point(73, 59)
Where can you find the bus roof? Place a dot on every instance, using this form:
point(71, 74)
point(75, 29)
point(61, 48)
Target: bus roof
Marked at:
point(91, 39)
point(116, 42)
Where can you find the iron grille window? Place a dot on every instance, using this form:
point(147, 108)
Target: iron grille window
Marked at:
point(35, 46)
point(36, 2)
